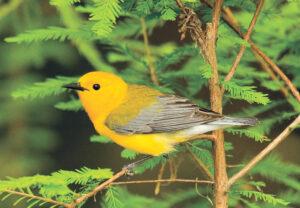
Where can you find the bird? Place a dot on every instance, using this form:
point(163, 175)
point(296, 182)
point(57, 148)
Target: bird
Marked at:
point(144, 119)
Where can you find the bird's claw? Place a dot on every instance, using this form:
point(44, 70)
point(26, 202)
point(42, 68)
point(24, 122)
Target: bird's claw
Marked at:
point(130, 172)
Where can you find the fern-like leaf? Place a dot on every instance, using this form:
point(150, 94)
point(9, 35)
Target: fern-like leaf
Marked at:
point(100, 139)
point(41, 89)
point(129, 154)
point(105, 14)
point(269, 198)
point(246, 93)
point(251, 134)
point(112, 198)
point(168, 14)
point(51, 33)
point(72, 105)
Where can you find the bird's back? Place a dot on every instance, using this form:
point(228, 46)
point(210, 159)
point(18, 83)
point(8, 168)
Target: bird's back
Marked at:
point(138, 97)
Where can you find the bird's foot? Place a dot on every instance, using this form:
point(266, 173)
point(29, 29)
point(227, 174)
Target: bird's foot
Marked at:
point(131, 166)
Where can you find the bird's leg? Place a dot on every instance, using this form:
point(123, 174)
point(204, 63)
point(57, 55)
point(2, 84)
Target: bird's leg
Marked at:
point(167, 155)
point(134, 164)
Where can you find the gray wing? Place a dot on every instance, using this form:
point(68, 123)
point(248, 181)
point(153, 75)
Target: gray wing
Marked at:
point(170, 113)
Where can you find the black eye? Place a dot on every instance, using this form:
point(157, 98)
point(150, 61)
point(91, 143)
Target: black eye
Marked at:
point(96, 86)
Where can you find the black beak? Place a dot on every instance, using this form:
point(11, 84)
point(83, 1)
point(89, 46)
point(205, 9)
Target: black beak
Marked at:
point(74, 86)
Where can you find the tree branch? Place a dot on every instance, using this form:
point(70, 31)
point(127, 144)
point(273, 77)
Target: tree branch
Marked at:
point(97, 189)
point(37, 197)
point(180, 5)
point(272, 75)
point(162, 181)
point(264, 152)
point(200, 163)
point(230, 20)
point(287, 81)
point(151, 67)
point(243, 47)
point(160, 175)
point(201, 136)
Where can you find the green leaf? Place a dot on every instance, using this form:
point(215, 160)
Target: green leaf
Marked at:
point(72, 105)
point(269, 198)
point(105, 14)
point(245, 93)
point(129, 154)
point(251, 134)
point(112, 198)
point(41, 89)
point(51, 33)
point(101, 139)
point(168, 14)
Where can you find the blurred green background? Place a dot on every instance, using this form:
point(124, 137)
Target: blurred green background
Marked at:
point(36, 138)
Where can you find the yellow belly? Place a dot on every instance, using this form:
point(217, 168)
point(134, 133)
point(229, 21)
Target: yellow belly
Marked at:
point(151, 144)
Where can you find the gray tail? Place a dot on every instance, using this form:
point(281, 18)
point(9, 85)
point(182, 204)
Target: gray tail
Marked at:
point(249, 121)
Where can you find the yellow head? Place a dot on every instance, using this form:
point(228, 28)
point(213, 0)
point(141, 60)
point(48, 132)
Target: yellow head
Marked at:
point(100, 93)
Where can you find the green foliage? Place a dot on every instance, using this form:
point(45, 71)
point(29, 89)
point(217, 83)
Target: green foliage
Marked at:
point(203, 154)
point(112, 198)
point(246, 93)
point(269, 198)
point(101, 139)
point(108, 35)
point(105, 14)
point(41, 89)
point(282, 172)
point(150, 164)
point(57, 184)
point(129, 154)
point(51, 33)
point(72, 105)
point(61, 3)
point(251, 134)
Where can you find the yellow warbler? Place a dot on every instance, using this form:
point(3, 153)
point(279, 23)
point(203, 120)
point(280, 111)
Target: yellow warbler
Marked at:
point(143, 119)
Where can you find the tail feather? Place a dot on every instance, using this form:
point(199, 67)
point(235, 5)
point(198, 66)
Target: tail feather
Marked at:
point(249, 121)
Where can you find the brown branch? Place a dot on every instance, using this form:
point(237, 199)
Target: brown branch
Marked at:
point(231, 21)
point(220, 177)
point(180, 5)
point(160, 175)
point(200, 163)
point(97, 189)
point(264, 152)
point(151, 67)
point(202, 136)
point(37, 197)
point(272, 75)
point(287, 81)
point(162, 181)
point(243, 47)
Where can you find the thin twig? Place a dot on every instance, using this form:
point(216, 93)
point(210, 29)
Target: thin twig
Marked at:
point(37, 197)
point(272, 75)
point(151, 67)
point(99, 188)
point(200, 163)
point(201, 195)
point(180, 5)
point(202, 136)
point(160, 175)
point(243, 47)
point(162, 181)
point(264, 152)
point(287, 81)
point(230, 20)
